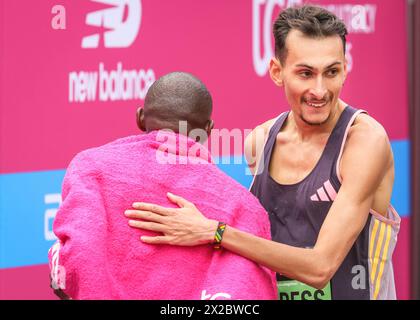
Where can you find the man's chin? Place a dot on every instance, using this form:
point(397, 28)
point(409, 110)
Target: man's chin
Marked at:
point(314, 120)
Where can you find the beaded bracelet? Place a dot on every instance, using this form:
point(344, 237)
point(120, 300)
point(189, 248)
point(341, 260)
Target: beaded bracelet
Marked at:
point(217, 244)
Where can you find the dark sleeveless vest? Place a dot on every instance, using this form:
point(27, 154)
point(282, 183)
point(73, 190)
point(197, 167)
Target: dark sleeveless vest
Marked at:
point(297, 211)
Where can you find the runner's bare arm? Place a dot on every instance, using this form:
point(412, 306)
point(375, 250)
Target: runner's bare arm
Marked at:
point(366, 158)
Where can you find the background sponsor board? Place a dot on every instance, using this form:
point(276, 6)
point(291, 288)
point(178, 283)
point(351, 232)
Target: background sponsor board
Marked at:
point(63, 90)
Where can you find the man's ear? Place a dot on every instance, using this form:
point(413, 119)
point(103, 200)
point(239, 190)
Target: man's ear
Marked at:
point(140, 119)
point(275, 69)
point(345, 70)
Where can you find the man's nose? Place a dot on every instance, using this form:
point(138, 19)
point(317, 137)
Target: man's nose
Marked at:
point(318, 91)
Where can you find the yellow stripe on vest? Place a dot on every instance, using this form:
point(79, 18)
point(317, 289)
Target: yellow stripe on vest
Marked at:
point(377, 251)
point(383, 260)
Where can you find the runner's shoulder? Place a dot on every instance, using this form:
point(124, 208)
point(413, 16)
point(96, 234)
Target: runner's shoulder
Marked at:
point(368, 133)
point(364, 124)
point(259, 133)
point(254, 142)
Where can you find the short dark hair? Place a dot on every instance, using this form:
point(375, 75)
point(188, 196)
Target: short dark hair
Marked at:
point(312, 21)
point(179, 96)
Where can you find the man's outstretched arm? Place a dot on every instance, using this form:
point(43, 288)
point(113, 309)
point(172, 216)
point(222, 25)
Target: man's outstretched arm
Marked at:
point(362, 172)
point(366, 159)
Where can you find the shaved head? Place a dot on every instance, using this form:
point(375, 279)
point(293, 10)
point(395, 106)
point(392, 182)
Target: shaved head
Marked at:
point(176, 97)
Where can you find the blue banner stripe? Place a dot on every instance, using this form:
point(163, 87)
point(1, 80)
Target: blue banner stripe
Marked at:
point(401, 194)
point(28, 202)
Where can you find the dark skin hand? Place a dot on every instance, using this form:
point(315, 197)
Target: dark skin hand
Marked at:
point(59, 293)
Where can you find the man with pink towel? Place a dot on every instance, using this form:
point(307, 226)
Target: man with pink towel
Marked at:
point(99, 256)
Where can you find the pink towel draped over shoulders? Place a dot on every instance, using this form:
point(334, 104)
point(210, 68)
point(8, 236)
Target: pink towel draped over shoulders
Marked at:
point(98, 256)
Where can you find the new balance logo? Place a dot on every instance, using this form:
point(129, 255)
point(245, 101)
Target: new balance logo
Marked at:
point(120, 23)
point(325, 193)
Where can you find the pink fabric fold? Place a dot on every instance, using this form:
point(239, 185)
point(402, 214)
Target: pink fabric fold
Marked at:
point(99, 256)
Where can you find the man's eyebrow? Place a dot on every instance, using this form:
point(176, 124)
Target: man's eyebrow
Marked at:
point(312, 68)
point(333, 64)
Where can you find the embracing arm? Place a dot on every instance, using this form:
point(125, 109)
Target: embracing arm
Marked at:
point(366, 159)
